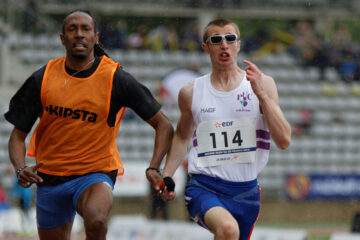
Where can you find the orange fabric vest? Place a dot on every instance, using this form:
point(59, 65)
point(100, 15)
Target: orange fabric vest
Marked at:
point(73, 137)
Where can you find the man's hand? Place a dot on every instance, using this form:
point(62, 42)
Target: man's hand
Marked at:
point(168, 189)
point(153, 176)
point(28, 176)
point(254, 76)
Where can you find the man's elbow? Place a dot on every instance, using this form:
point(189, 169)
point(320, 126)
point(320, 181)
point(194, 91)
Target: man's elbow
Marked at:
point(161, 124)
point(284, 143)
point(168, 127)
point(171, 130)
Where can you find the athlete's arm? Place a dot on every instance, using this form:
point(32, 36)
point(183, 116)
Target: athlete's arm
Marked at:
point(25, 106)
point(183, 134)
point(17, 150)
point(24, 109)
point(128, 92)
point(163, 134)
point(265, 89)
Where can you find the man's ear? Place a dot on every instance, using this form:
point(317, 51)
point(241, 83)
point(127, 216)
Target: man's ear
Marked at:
point(205, 47)
point(238, 45)
point(97, 38)
point(62, 38)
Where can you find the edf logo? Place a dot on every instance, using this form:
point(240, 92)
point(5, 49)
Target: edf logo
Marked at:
point(224, 124)
point(227, 124)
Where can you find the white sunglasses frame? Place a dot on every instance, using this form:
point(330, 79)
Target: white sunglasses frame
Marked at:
point(222, 38)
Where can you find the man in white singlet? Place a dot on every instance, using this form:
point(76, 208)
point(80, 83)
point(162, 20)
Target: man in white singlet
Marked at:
point(229, 115)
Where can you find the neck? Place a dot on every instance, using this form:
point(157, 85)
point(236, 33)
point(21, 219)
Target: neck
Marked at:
point(225, 79)
point(79, 64)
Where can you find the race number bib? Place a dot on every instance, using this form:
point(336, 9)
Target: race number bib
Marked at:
point(226, 141)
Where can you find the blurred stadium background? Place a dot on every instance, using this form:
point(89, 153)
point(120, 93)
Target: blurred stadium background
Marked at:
point(310, 47)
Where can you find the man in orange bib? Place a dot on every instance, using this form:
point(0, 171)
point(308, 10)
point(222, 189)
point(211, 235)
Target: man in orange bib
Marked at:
point(80, 100)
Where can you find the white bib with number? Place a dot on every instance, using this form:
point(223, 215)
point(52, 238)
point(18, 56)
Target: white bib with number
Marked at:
point(226, 141)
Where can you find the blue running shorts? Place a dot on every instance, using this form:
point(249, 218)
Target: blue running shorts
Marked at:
point(241, 199)
point(56, 205)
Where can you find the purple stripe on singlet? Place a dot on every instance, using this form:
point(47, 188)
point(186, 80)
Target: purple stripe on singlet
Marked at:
point(195, 142)
point(194, 139)
point(263, 145)
point(263, 134)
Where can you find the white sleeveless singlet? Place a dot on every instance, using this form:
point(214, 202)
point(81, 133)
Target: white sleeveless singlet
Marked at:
point(231, 140)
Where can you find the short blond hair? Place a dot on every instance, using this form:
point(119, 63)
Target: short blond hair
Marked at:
point(220, 22)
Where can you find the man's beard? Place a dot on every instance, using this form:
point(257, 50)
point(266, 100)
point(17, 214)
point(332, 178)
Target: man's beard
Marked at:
point(79, 56)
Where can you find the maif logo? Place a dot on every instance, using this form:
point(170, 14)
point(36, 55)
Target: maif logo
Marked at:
point(207, 110)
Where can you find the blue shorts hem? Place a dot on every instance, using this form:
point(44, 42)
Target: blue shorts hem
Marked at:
point(48, 227)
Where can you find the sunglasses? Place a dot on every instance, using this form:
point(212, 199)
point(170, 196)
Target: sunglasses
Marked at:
point(217, 39)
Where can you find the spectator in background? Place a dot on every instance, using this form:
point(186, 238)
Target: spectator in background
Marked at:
point(322, 59)
point(138, 39)
point(40, 28)
point(172, 39)
point(304, 125)
point(157, 38)
point(256, 40)
point(175, 80)
point(279, 42)
point(342, 37)
point(4, 204)
point(163, 38)
point(306, 42)
point(316, 49)
point(348, 67)
point(113, 36)
point(30, 17)
point(192, 39)
point(357, 74)
point(326, 32)
point(106, 30)
point(119, 34)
